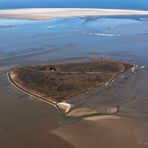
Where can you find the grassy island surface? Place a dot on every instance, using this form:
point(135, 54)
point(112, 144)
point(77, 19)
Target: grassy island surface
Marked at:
point(56, 83)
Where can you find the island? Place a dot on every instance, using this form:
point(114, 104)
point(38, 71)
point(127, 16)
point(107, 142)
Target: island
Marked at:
point(55, 83)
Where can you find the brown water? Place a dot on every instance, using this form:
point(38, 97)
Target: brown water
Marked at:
point(26, 122)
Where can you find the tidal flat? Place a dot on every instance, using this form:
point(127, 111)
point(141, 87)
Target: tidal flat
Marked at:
point(28, 122)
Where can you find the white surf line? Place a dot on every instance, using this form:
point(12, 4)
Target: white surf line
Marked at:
point(47, 13)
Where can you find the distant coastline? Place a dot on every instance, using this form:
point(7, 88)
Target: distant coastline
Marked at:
point(47, 13)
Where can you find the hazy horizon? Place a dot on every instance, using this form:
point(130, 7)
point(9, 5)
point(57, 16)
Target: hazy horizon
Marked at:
point(116, 4)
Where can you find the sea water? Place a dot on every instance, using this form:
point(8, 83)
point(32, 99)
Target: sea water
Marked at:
point(75, 38)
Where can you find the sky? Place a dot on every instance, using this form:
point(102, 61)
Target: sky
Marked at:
point(122, 4)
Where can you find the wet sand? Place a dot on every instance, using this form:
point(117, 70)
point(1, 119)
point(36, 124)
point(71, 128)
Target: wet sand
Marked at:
point(48, 13)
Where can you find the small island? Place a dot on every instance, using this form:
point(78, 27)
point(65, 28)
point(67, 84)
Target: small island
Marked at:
point(55, 83)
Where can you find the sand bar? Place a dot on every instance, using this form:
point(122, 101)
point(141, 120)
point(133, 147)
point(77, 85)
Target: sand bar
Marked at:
point(47, 13)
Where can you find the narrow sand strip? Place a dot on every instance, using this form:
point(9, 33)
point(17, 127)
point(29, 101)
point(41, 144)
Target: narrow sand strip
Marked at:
point(47, 13)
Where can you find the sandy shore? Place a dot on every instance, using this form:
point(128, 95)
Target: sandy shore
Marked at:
point(47, 13)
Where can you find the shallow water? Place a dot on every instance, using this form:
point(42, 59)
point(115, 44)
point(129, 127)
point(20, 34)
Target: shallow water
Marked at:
point(27, 122)
point(68, 38)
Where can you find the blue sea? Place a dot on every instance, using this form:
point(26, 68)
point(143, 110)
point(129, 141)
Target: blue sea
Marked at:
point(120, 4)
point(72, 38)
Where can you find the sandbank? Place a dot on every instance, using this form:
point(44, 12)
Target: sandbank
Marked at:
point(47, 13)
